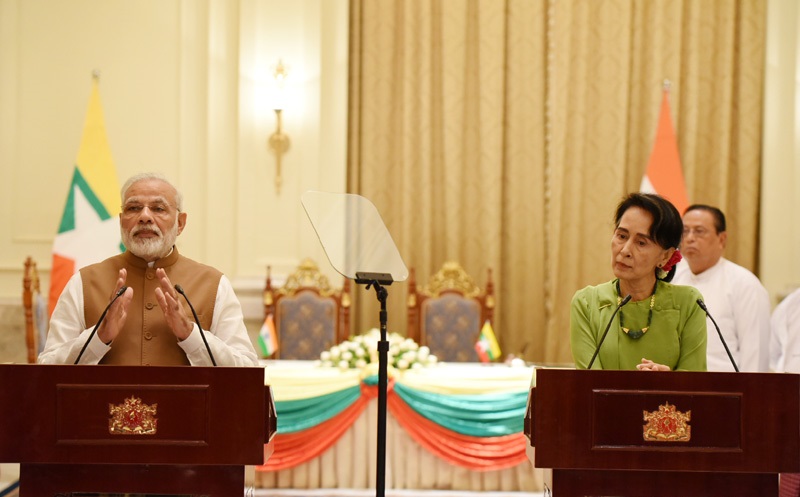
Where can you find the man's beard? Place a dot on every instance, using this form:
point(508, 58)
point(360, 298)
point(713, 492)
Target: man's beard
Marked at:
point(150, 249)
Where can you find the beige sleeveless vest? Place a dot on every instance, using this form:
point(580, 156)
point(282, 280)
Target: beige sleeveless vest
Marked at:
point(146, 338)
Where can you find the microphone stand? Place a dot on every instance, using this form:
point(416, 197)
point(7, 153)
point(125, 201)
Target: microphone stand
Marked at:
point(99, 321)
point(719, 332)
point(608, 326)
point(377, 280)
point(179, 289)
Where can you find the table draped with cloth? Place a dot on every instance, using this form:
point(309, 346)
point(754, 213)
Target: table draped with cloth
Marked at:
point(449, 427)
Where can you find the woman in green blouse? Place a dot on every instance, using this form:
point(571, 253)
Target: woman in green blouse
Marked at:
point(662, 327)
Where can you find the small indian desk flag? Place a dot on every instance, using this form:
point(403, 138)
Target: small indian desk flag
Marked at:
point(268, 337)
point(487, 347)
point(89, 228)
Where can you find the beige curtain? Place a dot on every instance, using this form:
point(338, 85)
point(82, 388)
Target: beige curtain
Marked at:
point(502, 134)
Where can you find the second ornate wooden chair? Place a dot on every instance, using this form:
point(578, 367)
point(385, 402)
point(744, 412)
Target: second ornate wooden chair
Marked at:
point(447, 314)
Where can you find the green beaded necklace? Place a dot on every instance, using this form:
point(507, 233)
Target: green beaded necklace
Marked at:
point(635, 334)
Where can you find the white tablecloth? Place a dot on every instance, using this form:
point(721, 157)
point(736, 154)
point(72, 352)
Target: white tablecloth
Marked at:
point(352, 461)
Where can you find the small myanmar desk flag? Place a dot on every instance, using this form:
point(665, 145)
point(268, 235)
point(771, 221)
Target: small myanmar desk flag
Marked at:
point(664, 174)
point(487, 347)
point(89, 228)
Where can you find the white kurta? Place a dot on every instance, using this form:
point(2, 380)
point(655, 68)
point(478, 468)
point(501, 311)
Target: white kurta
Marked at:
point(740, 304)
point(785, 344)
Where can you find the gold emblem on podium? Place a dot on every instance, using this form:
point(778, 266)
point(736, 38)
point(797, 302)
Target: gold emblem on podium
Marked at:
point(667, 424)
point(132, 417)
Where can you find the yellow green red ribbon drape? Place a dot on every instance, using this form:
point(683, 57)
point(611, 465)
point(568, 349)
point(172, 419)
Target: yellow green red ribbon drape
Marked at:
point(475, 453)
point(293, 449)
point(465, 449)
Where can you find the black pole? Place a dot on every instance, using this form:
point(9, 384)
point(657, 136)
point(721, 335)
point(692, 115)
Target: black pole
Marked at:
point(376, 280)
point(383, 383)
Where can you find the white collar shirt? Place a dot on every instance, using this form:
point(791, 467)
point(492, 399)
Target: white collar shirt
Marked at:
point(740, 304)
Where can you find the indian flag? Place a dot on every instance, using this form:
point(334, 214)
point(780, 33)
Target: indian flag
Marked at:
point(664, 174)
point(487, 347)
point(268, 337)
point(89, 228)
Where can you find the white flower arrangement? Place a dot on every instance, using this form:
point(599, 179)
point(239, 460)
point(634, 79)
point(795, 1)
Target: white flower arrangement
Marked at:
point(362, 350)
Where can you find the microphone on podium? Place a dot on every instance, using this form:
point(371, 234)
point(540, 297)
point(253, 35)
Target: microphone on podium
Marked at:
point(602, 339)
point(705, 309)
point(179, 289)
point(102, 316)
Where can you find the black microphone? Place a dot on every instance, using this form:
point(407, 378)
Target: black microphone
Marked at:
point(705, 309)
point(602, 339)
point(102, 316)
point(197, 320)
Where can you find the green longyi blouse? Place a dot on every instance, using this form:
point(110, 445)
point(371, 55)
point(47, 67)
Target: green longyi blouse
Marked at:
point(676, 337)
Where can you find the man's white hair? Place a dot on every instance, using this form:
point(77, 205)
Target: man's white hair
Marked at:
point(147, 176)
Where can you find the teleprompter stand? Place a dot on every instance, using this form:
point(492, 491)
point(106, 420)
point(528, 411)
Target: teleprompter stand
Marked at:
point(359, 247)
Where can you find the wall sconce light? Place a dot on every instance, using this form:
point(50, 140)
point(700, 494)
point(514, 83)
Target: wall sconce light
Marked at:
point(279, 141)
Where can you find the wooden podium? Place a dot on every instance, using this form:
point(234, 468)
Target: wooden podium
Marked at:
point(134, 429)
point(633, 433)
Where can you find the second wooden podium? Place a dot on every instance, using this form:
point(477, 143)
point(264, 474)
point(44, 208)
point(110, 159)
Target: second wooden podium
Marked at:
point(633, 433)
point(134, 429)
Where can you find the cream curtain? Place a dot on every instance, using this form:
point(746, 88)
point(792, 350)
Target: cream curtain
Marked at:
point(502, 134)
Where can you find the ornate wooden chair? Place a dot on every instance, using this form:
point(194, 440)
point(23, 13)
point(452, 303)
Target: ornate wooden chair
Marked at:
point(447, 314)
point(35, 306)
point(310, 316)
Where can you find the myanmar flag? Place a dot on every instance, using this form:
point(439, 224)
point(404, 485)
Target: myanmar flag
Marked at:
point(664, 174)
point(89, 228)
point(487, 347)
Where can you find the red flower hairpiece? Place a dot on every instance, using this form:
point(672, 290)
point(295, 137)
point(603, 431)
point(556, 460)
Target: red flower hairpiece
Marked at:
point(676, 258)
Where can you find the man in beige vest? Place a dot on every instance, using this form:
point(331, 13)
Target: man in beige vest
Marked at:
point(149, 323)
